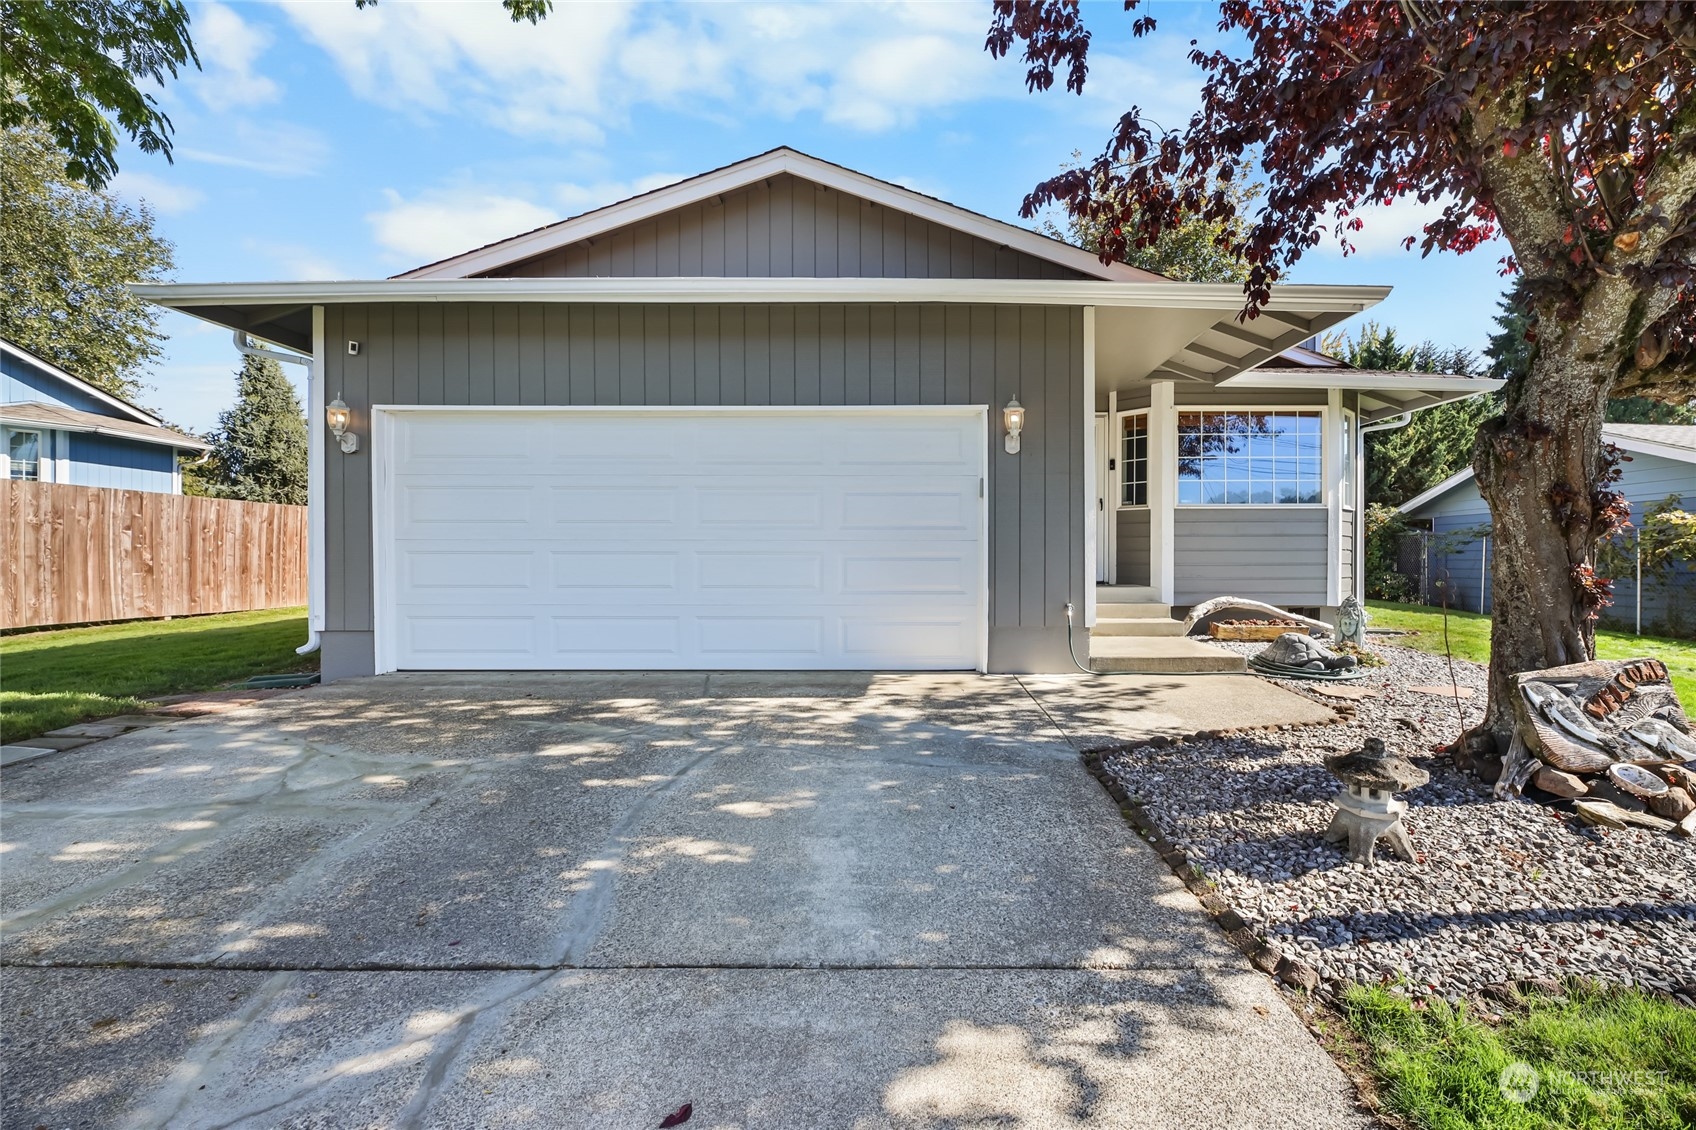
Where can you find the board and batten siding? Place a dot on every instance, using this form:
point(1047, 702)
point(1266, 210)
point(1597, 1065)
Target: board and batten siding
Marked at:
point(1133, 546)
point(787, 227)
point(1270, 553)
point(736, 355)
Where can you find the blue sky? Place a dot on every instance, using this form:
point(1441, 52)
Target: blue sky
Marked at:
point(320, 141)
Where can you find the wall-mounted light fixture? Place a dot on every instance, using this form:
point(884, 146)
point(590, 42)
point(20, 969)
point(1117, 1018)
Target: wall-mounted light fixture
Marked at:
point(1013, 418)
point(337, 415)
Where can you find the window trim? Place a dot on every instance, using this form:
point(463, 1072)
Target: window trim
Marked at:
point(1323, 411)
point(1347, 488)
point(43, 452)
point(1119, 502)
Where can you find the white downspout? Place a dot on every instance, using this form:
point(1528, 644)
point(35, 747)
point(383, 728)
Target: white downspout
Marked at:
point(314, 475)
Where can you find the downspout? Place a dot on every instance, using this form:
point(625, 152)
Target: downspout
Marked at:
point(247, 349)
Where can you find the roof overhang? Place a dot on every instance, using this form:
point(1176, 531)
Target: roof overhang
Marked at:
point(1383, 395)
point(1461, 476)
point(1159, 330)
point(140, 415)
point(157, 436)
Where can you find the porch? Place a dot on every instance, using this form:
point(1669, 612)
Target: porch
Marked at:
point(1136, 634)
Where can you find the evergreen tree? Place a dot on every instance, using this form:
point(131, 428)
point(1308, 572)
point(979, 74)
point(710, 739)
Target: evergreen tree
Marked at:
point(67, 257)
point(259, 447)
point(1410, 460)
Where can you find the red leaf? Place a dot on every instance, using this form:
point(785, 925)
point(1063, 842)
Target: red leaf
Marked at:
point(677, 1117)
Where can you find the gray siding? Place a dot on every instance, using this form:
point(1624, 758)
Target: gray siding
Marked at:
point(1133, 547)
point(1189, 394)
point(1275, 554)
point(531, 353)
point(1347, 555)
point(787, 227)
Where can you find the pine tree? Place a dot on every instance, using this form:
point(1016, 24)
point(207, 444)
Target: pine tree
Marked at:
point(1437, 442)
point(259, 447)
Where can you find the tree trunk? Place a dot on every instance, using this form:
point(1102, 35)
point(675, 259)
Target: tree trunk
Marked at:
point(1539, 466)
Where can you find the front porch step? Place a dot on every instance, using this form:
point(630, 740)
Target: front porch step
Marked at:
point(1138, 626)
point(1154, 655)
point(1132, 610)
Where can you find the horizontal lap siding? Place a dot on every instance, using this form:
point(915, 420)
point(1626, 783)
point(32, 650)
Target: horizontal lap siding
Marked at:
point(787, 227)
point(1272, 554)
point(1133, 547)
point(670, 356)
point(103, 461)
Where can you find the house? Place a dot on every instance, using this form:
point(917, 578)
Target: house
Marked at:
point(1660, 463)
point(58, 428)
point(786, 415)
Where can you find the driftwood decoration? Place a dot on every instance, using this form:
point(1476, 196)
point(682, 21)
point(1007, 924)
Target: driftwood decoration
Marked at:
point(1618, 717)
point(1219, 604)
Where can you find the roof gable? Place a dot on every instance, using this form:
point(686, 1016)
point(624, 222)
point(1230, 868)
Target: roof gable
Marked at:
point(570, 246)
point(40, 377)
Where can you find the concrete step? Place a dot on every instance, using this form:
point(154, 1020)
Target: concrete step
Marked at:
point(1127, 592)
point(1138, 626)
point(1131, 610)
point(1143, 655)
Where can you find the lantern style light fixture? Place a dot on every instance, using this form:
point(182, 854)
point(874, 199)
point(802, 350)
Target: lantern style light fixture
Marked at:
point(337, 415)
point(1013, 418)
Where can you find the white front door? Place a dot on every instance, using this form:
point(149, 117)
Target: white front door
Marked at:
point(681, 539)
point(1104, 502)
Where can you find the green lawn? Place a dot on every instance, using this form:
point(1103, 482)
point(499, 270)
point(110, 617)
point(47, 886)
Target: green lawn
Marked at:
point(52, 679)
point(1602, 1059)
point(1469, 635)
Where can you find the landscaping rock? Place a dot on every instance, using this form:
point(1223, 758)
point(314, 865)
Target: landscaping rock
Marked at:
point(1505, 890)
point(1675, 804)
point(1558, 782)
point(1298, 974)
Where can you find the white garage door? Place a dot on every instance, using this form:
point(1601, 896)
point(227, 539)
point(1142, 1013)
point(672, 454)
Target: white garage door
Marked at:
point(680, 539)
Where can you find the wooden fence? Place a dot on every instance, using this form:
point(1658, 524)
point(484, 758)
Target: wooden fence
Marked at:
point(78, 555)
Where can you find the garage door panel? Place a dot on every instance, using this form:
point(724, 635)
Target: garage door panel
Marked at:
point(675, 542)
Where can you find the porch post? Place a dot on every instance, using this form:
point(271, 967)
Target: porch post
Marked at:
point(1332, 434)
point(1091, 458)
point(1114, 443)
point(1162, 488)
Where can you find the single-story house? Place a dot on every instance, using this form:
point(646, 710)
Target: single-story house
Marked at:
point(786, 415)
point(58, 428)
point(1660, 462)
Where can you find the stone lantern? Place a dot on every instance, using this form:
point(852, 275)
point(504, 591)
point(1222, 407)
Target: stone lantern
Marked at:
point(1367, 810)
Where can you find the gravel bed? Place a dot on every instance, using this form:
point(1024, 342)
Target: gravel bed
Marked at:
point(1503, 890)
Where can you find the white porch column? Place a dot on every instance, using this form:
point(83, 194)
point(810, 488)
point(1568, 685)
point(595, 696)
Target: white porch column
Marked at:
point(1333, 439)
point(1115, 452)
point(1162, 488)
point(1091, 458)
point(315, 546)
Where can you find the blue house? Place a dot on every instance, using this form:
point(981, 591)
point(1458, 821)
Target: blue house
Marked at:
point(1661, 463)
point(58, 428)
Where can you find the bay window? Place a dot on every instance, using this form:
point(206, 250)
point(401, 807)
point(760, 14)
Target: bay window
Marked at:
point(1250, 458)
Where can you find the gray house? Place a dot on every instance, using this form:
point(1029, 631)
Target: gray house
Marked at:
point(785, 415)
point(55, 427)
point(1660, 463)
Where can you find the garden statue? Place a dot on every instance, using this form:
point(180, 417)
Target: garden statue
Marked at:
point(1351, 622)
point(1367, 810)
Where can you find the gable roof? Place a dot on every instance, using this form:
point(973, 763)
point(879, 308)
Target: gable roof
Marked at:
point(778, 161)
point(119, 406)
point(61, 418)
point(1669, 441)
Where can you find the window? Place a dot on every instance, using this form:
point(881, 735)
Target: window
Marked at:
point(1250, 458)
point(23, 454)
point(1133, 461)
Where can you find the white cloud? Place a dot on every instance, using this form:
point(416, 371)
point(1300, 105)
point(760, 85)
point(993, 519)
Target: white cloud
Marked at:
point(229, 47)
point(296, 260)
point(278, 148)
point(868, 67)
point(1384, 228)
point(161, 195)
point(445, 222)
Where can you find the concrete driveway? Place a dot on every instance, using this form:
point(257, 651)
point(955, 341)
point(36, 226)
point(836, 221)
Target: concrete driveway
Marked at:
point(583, 901)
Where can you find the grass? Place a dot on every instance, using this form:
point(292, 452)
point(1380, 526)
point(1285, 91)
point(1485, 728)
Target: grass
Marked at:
point(1469, 635)
point(1604, 1059)
point(56, 678)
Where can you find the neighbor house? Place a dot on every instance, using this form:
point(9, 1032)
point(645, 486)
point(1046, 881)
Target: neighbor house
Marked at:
point(58, 428)
point(785, 415)
point(1660, 462)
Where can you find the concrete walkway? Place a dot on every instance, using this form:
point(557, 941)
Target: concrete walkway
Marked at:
point(583, 901)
